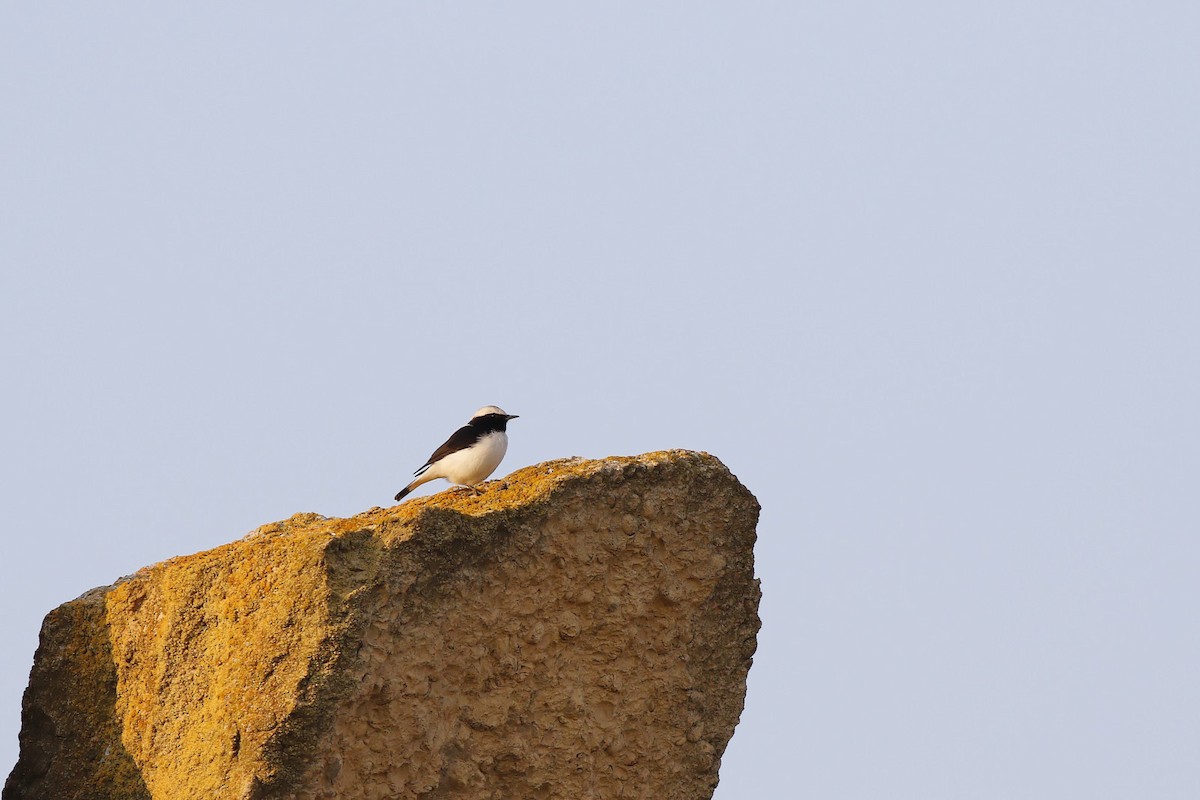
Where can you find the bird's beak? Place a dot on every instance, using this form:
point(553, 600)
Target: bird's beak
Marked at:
point(512, 416)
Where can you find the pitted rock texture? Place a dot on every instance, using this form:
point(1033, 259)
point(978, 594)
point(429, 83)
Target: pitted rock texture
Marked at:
point(582, 629)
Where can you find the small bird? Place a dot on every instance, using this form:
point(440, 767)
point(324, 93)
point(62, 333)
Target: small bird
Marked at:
point(471, 454)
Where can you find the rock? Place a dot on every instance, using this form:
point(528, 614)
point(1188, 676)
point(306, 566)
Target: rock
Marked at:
point(582, 629)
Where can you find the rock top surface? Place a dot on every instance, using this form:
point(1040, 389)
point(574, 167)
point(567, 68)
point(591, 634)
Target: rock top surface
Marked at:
point(582, 629)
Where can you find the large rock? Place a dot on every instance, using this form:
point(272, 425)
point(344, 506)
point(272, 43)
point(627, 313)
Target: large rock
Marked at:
point(582, 629)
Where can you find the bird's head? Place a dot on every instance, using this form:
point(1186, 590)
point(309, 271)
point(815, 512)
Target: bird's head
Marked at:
point(489, 410)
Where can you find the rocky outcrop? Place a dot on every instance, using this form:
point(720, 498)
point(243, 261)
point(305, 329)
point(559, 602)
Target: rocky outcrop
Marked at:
point(581, 629)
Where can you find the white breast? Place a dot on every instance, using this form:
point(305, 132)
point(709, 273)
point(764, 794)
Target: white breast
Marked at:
point(475, 463)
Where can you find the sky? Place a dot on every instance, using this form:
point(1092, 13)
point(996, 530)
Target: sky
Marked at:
point(923, 275)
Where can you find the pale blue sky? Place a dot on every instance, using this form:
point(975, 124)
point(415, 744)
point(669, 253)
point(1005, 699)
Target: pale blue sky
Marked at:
point(924, 275)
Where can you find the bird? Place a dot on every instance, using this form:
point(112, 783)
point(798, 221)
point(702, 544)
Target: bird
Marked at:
point(471, 454)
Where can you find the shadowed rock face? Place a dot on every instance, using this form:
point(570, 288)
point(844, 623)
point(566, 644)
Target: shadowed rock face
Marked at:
point(582, 629)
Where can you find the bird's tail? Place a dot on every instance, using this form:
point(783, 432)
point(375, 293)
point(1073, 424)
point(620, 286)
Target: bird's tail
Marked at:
point(421, 478)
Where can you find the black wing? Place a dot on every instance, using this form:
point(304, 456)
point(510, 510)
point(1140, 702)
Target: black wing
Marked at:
point(463, 437)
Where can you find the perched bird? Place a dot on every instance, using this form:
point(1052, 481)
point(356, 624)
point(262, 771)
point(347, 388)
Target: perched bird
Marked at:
point(471, 454)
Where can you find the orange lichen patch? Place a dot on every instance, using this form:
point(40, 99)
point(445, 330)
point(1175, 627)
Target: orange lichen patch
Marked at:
point(210, 650)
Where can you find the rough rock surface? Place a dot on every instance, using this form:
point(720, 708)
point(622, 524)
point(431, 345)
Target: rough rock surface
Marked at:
point(582, 629)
